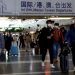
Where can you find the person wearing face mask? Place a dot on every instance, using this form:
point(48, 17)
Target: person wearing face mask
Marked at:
point(45, 42)
point(58, 39)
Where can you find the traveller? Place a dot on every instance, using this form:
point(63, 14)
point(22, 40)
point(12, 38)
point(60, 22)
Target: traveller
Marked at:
point(57, 40)
point(8, 40)
point(71, 41)
point(46, 42)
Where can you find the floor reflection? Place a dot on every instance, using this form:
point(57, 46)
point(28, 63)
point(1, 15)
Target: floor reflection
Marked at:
point(27, 64)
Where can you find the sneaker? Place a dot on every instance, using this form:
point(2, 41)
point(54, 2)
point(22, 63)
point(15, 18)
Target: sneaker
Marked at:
point(43, 64)
point(52, 66)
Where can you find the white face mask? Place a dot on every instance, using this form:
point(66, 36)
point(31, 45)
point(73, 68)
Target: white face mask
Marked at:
point(51, 25)
point(57, 27)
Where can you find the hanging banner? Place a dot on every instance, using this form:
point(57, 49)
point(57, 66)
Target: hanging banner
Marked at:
point(37, 7)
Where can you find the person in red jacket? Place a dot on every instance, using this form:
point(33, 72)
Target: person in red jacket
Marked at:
point(58, 40)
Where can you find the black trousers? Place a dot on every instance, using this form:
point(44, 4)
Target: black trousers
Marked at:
point(22, 44)
point(44, 52)
point(73, 54)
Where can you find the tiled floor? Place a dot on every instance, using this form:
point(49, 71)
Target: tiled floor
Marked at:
point(27, 64)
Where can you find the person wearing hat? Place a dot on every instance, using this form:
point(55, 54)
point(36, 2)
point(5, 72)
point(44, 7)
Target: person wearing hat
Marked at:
point(45, 42)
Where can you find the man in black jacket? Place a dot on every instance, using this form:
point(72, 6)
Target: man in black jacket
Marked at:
point(46, 42)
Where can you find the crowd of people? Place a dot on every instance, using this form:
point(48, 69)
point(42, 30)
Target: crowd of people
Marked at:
point(50, 38)
point(53, 38)
point(7, 39)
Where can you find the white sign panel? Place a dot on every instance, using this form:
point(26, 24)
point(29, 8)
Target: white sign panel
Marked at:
point(46, 7)
point(37, 7)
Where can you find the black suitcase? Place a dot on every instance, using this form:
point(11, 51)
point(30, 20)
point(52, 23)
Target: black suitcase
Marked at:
point(64, 62)
point(2, 56)
point(32, 44)
point(37, 50)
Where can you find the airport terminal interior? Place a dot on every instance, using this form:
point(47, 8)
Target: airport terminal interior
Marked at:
point(28, 64)
point(28, 61)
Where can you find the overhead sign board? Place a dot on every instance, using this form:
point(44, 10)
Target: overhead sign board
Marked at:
point(37, 7)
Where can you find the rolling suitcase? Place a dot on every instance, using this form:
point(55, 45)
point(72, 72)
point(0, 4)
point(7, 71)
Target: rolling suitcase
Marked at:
point(2, 56)
point(64, 62)
point(37, 50)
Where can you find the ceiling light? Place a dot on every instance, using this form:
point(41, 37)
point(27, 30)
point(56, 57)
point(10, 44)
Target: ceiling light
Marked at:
point(3, 18)
point(60, 18)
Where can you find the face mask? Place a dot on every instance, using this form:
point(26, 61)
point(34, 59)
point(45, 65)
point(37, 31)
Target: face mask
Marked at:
point(57, 27)
point(50, 25)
